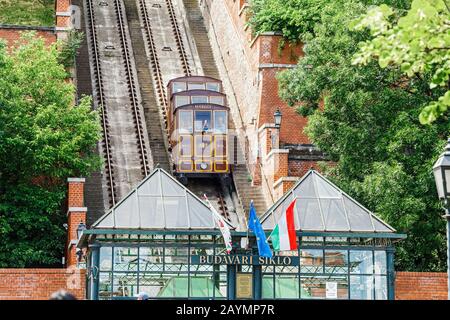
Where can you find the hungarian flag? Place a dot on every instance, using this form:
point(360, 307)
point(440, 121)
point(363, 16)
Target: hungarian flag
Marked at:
point(283, 236)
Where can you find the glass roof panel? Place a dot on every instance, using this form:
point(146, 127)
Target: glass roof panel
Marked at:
point(150, 187)
point(127, 213)
point(321, 206)
point(325, 189)
point(379, 226)
point(152, 213)
point(170, 187)
point(200, 216)
point(306, 188)
point(178, 217)
point(159, 202)
point(106, 221)
point(359, 218)
point(334, 215)
point(308, 212)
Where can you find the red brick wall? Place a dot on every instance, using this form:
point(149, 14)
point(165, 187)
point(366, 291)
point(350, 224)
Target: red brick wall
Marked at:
point(76, 214)
point(292, 123)
point(39, 284)
point(62, 5)
point(75, 197)
point(298, 168)
point(421, 286)
point(11, 35)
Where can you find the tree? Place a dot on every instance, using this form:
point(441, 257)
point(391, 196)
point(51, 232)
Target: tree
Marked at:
point(365, 118)
point(292, 18)
point(418, 43)
point(44, 139)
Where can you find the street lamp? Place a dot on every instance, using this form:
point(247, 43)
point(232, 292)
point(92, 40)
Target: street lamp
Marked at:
point(80, 229)
point(441, 171)
point(79, 252)
point(277, 117)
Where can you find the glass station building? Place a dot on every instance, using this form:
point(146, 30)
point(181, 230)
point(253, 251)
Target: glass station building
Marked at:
point(162, 239)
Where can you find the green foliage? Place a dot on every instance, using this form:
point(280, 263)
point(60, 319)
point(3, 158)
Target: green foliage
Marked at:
point(27, 12)
point(418, 43)
point(366, 119)
point(44, 139)
point(290, 17)
point(69, 48)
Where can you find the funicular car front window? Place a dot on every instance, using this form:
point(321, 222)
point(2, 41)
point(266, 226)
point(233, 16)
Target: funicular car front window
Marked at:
point(199, 99)
point(202, 120)
point(220, 121)
point(196, 86)
point(185, 124)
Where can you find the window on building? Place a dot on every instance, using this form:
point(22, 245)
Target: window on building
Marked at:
point(361, 261)
point(361, 287)
point(336, 261)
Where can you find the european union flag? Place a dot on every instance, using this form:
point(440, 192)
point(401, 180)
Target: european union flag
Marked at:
point(255, 225)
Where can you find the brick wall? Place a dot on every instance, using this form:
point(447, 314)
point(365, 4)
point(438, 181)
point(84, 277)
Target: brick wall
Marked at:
point(421, 286)
point(39, 284)
point(298, 168)
point(12, 33)
point(76, 214)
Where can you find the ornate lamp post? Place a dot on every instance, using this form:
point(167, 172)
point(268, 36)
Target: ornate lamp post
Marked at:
point(81, 227)
point(277, 117)
point(79, 252)
point(441, 170)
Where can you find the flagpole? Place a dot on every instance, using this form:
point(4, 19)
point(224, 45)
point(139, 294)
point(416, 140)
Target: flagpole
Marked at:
point(246, 222)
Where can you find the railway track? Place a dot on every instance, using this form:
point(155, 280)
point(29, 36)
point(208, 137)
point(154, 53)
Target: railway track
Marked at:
point(132, 87)
point(178, 38)
point(199, 186)
point(126, 158)
point(97, 71)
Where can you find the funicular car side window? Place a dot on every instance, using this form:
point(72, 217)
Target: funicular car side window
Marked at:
point(178, 87)
point(181, 101)
point(216, 100)
point(213, 86)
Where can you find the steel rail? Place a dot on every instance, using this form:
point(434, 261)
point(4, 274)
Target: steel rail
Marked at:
point(178, 38)
point(131, 86)
point(109, 170)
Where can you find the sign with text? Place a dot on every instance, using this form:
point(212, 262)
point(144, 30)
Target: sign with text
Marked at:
point(331, 290)
point(244, 285)
point(246, 260)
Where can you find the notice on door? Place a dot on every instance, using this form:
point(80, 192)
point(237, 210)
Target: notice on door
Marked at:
point(244, 286)
point(331, 290)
